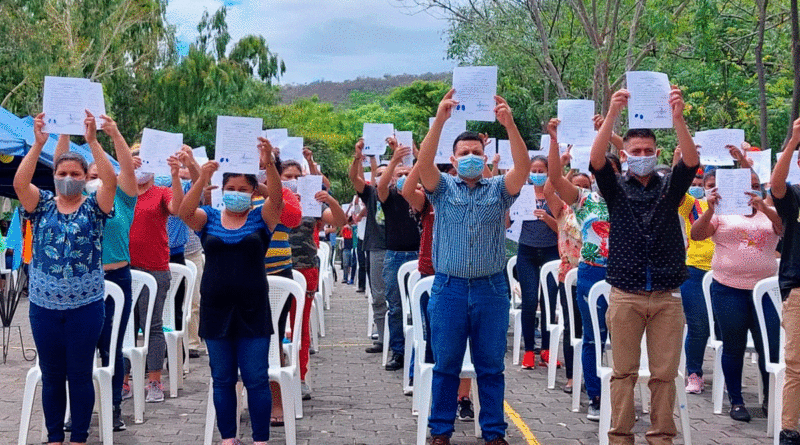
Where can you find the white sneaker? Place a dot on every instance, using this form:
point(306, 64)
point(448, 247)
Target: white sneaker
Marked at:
point(154, 391)
point(695, 384)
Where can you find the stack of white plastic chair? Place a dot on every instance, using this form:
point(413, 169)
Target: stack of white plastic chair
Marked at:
point(280, 290)
point(101, 375)
point(575, 340)
point(370, 312)
point(408, 387)
point(403, 281)
point(769, 291)
point(326, 273)
point(317, 309)
point(138, 354)
point(176, 339)
point(423, 382)
point(602, 290)
point(515, 312)
point(289, 349)
point(554, 324)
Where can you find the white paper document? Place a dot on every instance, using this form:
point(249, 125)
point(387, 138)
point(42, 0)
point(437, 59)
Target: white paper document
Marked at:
point(504, 150)
point(581, 158)
point(450, 131)
point(545, 143)
point(307, 187)
point(733, 186)
point(648, 106)
point(713, 142)
point(375, 138)
point(577, 126)
point(762, 164)
point(64, 104)
point(533, 153)
point(277, 137)
point(475, 88)
point(524, 205)
point(216, 193)
point(292, 149)
point(237, 144)
point(406, 139)
point(200, 154)
point(514, 231)
point(156, 147)
point(96, 102)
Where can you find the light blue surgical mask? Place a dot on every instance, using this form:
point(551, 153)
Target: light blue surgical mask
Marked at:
point(697, 191)
point(236, 202)
point(642, 165)
point(538, 178)
point(401, 181)
point(470, 166)
point(163, 181)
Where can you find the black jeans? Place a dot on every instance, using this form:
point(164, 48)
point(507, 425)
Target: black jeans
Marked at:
point(179, 259)
point(122, 278)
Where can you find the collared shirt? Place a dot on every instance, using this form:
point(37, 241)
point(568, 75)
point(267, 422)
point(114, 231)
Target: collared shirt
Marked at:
point(646, 250)
point(469, 229)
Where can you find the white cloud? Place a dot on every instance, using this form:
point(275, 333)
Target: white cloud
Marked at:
point(332, 40)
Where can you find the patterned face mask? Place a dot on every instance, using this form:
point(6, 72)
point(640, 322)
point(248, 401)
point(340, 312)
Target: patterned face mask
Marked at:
point(236, 202)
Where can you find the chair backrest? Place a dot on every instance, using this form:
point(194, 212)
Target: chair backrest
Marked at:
point(114, 292)
point(178, 272)
point(301, 280)
point(140, 280)
point(189, 297)
point(422, 286)
point(324, 253)
point(767, 290)
point(570, 280)
point(512, 282)
point(548, 276)
point(403, 273)
point(280, 290)
point(600, 290)
point(707, 278)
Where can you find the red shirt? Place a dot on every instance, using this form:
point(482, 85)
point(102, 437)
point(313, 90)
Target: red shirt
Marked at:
point(149, 245)
point(347, 232)
point(425, 265)
point(292, 213)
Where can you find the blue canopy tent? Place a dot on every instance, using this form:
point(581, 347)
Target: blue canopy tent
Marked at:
point(16, 138)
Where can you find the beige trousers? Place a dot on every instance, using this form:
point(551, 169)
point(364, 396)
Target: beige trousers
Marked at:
point(791, 385)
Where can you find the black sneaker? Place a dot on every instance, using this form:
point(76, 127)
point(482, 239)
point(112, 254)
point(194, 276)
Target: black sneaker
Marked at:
point(360, 291)
point(789, 437)
point(68, 425)
point(119, 425)
point(740, 413)
point(375, 348)
point(593, 413)
point(465, 411)
point(395, 363)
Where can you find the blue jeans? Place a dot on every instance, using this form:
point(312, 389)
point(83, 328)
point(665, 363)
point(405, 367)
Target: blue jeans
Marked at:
point(122, 278)
point(694, 308)
point(65, 341)
point(474, 309)
point(347, 264)
point(735, 314)
point(249, 355)
point(529, 263)
point(587, 276)
point(391, 264)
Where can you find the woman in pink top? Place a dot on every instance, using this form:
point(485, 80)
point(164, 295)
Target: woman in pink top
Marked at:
point(744, 255)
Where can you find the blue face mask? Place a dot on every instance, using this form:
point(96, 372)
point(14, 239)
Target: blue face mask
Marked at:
point(236, 202)
point(401, 181)
point(470, 166)
point(538, 178)
point(163, 181)
point(697, 191)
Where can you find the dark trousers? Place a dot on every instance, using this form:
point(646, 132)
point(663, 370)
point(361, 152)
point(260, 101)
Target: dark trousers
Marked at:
point(362, 265)
point(122, 278)
point(66, 341)
point(529, 263)
point(179, 297)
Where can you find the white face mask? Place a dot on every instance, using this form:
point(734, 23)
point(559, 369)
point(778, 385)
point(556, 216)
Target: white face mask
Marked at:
point(642, 165)
point(93, 185)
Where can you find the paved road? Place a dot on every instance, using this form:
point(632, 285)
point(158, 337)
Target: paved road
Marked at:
point(355, 401)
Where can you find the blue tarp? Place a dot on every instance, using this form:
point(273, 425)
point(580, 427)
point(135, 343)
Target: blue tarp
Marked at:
point(16, 138)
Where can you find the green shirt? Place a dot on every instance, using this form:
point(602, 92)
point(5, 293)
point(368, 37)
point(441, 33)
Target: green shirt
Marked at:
point(117, 230)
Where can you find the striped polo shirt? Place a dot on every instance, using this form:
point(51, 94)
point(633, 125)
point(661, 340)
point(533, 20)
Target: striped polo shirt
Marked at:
point(279, 254)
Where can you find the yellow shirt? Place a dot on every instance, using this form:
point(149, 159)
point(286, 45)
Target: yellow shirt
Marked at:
point(699, 253)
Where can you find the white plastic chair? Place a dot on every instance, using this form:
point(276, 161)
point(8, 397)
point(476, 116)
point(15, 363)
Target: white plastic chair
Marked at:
point(515, 313)
point(101, 375)
point(575, 340)
point(403, 277)
point(177, 339)
point(288, 348)
point(325, 274)
point(423, 381)
point(554, 324)
point(138, 354)
point(602, 290)
point(370, 313)
point(768, 289)
point(280, 290)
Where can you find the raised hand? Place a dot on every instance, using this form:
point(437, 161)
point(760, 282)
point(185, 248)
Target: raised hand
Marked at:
point(401, 152)
point(503, 112)
point(552, 130)
point(265, 151)
point(308, 155)
point(208, 169)
point(38, 130)
point(446, 106)
point(90, 123)
point(713, 198)
point(175, 164)
point(360, 149)
point(323, 196)
point(110, 127)
point(137, 162)
point(598, 120)
point(619, 101)
point(391, 141)
point(676, 102)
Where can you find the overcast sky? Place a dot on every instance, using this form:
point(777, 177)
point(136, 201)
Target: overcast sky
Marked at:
point(330, 39)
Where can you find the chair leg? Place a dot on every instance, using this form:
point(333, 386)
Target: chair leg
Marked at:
point(476, 404)
point(771, 412)
point(644, 394)
point(386, 339)
point(240, 397)
point(776, 405)
point(31, 381)
point(298, 394)
point(719, 382)
point(422, 415)
point(577, 376)
point(318, 298)
point(211, 415)
point(552, 364)
point(408, 351)
point(106, 408)
point(289, 414)
point(179, 355)
point(136, 383)
point(517, 338)
point(605, 411)
point(683, 409)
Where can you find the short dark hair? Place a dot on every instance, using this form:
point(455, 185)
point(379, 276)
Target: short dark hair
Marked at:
point(582, 174)
point(467, 136)
point(644, 133)
point(251, 179)
point(709, 174)
point(539, 158)
point(71, 156)
point(290, 163)
point(614, 159)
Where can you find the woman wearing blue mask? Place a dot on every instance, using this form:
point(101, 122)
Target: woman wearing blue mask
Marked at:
point(66, 286)
point(538, 244)
point(235, 318)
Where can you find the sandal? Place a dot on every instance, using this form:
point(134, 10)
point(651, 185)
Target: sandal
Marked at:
point(276, 421)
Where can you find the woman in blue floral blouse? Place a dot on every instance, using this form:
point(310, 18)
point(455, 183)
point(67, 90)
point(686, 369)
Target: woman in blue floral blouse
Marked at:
point(66, 285)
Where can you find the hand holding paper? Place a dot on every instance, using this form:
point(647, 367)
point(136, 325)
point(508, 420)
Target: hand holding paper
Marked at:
point(475, 88)
point(649, 105)
point(734, 189)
